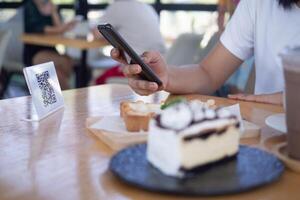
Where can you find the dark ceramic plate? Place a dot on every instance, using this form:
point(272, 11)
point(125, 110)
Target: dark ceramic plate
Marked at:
point(250, 169)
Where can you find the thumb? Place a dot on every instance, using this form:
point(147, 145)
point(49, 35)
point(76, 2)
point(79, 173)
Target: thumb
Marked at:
point(150, 57)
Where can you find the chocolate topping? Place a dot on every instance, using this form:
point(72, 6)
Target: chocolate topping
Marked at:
point(204, 134)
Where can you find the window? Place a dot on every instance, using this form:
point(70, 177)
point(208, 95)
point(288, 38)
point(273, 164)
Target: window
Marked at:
point(10, 1)
point(190, 1)
point(5, 14)
point(97, 1)
point(57, 2)
point(67, 14)
point(174, 23)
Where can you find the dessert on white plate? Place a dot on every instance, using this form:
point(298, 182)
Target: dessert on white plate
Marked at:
point(185, 136)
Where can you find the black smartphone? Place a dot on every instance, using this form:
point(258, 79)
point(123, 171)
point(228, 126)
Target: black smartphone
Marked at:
point(116, 40)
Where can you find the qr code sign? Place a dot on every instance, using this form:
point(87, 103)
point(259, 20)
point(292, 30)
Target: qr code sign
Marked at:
point(48, 94)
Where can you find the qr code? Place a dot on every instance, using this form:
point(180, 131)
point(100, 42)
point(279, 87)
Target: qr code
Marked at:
point(48, 94)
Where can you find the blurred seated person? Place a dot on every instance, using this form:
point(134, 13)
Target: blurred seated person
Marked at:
point(259, 28)
point(137, 23)
point(41, 16)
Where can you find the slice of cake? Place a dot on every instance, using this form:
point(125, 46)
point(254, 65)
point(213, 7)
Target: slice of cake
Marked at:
point(188, 135)
point(137, 115)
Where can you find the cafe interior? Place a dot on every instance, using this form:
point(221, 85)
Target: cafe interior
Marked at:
point(149, 99)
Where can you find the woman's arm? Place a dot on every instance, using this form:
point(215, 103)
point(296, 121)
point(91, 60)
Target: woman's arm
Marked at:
point(55, 16)
point(59, 29)
point(207, 76)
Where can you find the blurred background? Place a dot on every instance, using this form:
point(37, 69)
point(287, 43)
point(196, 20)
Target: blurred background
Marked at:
point(187, 26)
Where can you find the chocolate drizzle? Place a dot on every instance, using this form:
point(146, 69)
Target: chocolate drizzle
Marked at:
point(204, 134)
point(237, 125)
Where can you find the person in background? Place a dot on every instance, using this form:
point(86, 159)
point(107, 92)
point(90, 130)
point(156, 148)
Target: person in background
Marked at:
point(258, 28)
point(138, 24)
point(41, 16)
point(225, 6)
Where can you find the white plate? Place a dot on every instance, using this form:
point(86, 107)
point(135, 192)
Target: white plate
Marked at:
point(277, 122)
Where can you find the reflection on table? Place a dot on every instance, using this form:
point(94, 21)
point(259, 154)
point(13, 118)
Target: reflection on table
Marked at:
point(58, 158)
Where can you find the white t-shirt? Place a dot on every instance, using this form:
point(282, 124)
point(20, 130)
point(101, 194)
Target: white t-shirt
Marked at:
point(137, 23)
point(263, 28)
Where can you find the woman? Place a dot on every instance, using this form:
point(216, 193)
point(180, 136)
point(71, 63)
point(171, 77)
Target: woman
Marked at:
point(42, 17)
point(258, 28)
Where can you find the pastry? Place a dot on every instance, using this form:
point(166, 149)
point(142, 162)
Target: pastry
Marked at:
point(137, 115)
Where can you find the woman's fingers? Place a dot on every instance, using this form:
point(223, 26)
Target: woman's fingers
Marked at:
point(246, 97)
point(275, 98)
point(117, 55)
point(143, 85)
point(236, 96)
point(131, 70)
point(143, 92)
point(150, 57)
point(249, 97)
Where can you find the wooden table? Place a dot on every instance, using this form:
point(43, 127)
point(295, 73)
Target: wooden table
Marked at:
point(82, 74)
point(59, 159)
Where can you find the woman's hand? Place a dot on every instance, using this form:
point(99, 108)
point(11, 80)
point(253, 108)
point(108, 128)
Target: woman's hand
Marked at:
point(143, 87)
point(66, 27)
point(275, 98)
point(70, 25)
point(60, 29)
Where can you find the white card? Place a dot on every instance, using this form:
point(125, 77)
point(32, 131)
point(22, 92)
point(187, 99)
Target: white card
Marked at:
point(44, 88)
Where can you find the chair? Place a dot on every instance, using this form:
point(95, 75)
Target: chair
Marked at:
point(14, 56)
point(13, 59)
point(4, 40)
point(184, 49)
point(203, 52)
